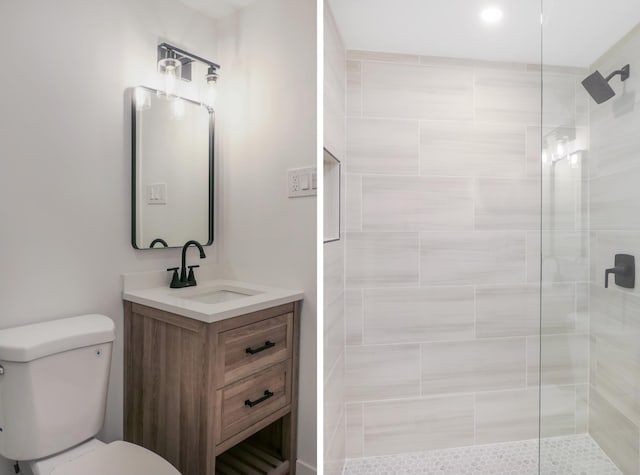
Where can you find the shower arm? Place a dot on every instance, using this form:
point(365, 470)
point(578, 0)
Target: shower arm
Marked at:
point(624, 74)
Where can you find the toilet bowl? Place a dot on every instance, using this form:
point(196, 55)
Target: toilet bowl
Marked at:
point(53, 388)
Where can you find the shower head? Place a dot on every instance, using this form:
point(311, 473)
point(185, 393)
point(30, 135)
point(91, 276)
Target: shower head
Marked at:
point(598, 86)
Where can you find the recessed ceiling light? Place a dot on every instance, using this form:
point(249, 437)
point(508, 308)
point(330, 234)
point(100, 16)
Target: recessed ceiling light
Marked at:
point(491, 15)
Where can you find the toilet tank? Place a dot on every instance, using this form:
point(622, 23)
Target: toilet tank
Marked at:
point(53, 386)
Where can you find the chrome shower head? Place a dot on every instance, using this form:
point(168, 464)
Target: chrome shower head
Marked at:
point(598, 86)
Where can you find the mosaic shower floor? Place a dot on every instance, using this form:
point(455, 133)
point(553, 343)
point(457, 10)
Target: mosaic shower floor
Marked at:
point(572, 455)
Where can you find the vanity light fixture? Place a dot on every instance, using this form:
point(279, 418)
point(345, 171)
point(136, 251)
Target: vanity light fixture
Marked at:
point(174, 64)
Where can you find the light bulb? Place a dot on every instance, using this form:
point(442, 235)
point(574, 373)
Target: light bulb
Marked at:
point(560, 149)
point(211, 91)
point(171, 71)
point(545, 157)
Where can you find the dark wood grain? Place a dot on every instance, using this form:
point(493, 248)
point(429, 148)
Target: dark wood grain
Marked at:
point(186, 382)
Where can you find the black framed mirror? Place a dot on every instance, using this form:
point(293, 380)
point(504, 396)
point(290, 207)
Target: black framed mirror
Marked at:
point(172, 158)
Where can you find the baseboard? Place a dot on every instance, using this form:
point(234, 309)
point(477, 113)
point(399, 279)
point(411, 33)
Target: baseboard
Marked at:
point(304, 469)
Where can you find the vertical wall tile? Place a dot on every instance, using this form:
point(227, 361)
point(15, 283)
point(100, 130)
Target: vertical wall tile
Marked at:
point(382, 146)
point(416, 203)
point(355, 435)
point(416, 425)
point(474, 365)
point(565, 359)
point(582, 409)
point(508, 96)
point(382, 372)
point(354, 88)
point(507, 311)
point(419, 92)
point(615, 434)
point(418, 314)
point(558, 410)
point(506, 416)
point(354, 314)
point(614, 201)
point(472, 258)
point(507, 204)
point(353, 202)
point(465, 149)
point(381, 259)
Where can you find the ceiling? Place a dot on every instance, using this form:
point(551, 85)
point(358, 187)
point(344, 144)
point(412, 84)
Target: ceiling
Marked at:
point(576, 32)
point(217, 8)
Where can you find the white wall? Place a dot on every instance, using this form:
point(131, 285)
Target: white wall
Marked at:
point(267, 124)
point(65, 156)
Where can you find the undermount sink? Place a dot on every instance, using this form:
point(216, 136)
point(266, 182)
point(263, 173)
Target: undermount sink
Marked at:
point(220, 295)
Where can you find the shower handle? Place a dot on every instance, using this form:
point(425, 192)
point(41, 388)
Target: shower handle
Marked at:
point(624, 270)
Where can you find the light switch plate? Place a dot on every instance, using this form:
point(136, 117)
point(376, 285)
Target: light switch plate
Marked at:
point(301, 181)
point(157, 194)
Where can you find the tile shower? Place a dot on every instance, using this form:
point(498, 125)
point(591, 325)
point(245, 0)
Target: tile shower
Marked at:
point(442, 257)
point(455, 239)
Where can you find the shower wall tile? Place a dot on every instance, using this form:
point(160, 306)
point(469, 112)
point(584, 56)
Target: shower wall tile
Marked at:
point(565, 256)
point(334, 455)
point(383, 146)
point(507, 96)
point(354, 309)
point(614, 201)
point(418, 92)
point(478, 257)
point(466, 149)
point(508, 204)
point(582, 408)
point(383, 57)
point(615, 433)
point(355, 435)
point(354, 89)
point(353, 202)
point(416, 203)
point(558, 410)
point(507, 310)
point(381, 259)
point(334, 330)
point(418, 314)
point(614, 137)
point(615, 337)
point(565, 360)
point(474, 365)
point(506, 416)
point(334, 398)
point(559, 100)
point(418, 424)
point(382, 372)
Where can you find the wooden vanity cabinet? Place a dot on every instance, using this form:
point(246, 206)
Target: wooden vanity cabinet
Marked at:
point(213, 398)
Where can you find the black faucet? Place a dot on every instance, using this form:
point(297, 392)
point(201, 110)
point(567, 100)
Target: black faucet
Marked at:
point(185, 280)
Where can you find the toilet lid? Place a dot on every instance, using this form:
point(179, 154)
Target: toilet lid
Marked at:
point(117, 458)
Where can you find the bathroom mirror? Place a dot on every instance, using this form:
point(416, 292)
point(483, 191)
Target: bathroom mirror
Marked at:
point(172, 170)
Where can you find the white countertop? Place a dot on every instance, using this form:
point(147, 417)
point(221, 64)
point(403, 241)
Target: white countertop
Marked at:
point(181, 301)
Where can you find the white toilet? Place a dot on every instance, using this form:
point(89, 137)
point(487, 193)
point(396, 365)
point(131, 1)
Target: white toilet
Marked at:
point(53, 391)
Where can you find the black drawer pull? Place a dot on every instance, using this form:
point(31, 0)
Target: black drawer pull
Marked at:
point(267, 395)
point(267, 344)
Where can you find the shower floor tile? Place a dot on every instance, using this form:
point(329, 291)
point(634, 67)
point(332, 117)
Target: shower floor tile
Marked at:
point(571, 455)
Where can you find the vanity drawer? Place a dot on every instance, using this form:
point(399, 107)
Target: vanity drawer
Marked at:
point(248, 349)
point(242, 404)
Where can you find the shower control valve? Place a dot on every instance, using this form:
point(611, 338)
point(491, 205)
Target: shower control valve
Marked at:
point(624, 270)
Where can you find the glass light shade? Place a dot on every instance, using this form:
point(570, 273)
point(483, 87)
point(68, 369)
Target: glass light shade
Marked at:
point(171, 71)
point(177, 109)
point(211, 92)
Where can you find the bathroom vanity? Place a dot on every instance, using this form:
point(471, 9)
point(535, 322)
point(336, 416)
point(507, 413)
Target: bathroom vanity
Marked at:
point(211, 376)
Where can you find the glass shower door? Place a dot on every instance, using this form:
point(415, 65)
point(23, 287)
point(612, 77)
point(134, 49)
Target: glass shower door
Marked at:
point(587, 356)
